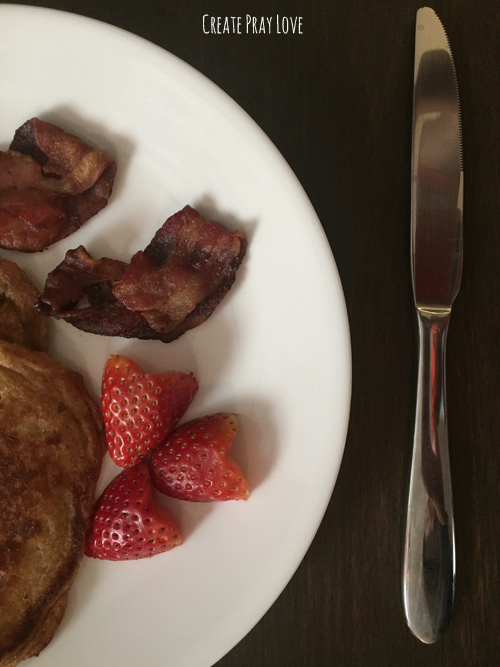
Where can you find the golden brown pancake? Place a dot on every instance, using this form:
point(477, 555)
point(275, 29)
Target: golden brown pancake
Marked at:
point(19, 321)
point(51, 449)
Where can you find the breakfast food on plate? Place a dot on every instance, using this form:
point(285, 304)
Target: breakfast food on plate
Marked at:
point(52, 434)
point(139, 409)
point(193, 463)
point(51, 182)
point(129, 523)
point(174, 285)
point(52, 444)
point(19, 321)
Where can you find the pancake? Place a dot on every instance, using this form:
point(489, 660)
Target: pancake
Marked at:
point(51, 449)
point(19, 321)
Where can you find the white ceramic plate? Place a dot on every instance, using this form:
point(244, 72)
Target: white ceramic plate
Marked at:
point(276, 351)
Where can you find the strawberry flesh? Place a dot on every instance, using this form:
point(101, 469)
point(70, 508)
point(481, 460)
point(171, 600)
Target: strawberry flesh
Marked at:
point(128, 524)
point(193, 463)
point(139, 409)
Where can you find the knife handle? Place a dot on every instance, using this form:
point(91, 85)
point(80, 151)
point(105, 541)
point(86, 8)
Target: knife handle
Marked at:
point(429, 557)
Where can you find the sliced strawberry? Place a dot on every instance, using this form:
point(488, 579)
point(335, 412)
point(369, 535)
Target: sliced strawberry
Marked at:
point(140, 410)
point(128, 524)
point(193, 463)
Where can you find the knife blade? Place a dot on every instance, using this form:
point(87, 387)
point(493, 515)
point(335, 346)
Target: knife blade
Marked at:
point(436, 254)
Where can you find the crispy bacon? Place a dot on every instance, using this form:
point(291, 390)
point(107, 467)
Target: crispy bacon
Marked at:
point(51, 182)
point(190, 263)
point(174, 285)
point(79, 276)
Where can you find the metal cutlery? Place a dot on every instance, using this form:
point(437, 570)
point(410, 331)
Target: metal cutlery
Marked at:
point(437, 204)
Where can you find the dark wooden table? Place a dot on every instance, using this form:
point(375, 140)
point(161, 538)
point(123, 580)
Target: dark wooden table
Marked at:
point(336, 100)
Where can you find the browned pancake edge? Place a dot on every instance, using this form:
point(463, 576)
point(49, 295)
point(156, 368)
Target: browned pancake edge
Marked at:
point(51, 449)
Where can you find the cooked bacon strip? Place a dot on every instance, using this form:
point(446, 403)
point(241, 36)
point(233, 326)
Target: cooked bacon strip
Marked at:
point(189, 260)
point(79, 276)
point(174, 285)
point(51, 182)
point(75, 277)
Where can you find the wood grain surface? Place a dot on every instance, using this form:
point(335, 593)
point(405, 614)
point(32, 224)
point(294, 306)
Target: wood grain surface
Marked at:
point(337, 103)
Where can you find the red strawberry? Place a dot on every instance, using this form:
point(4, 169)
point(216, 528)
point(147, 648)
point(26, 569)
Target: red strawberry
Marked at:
point(128, 524)
point(193, 464)
point(140, 410)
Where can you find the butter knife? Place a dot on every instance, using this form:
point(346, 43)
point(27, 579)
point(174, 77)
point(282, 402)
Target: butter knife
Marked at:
point(437, 204)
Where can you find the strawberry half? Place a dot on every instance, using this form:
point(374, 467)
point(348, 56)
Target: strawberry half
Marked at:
point(128, 524)
point(140, 410)
point(193, 463)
